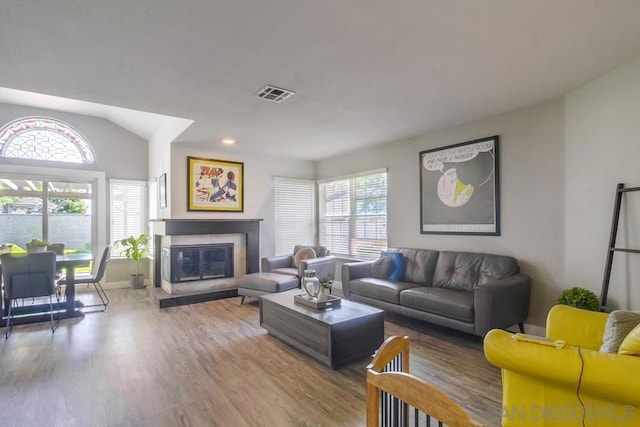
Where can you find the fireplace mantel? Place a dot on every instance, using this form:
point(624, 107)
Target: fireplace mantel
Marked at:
point(183, 227)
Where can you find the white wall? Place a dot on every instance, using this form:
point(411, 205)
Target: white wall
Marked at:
point(602, 149)
point(160, 156)
point(531, 194)
point(258, 187)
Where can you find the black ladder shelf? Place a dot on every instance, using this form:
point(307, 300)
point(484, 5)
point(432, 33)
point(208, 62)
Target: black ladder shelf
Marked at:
point(620, 190)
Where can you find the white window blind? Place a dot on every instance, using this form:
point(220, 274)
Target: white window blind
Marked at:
point(294, 213)
point(353, 214)
point(128, 207)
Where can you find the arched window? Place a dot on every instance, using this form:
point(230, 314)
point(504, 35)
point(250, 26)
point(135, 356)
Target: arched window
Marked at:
point(43, 138)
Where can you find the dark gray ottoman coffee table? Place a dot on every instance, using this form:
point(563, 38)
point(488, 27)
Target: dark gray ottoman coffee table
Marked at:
point(334, 336)
point(257, 284)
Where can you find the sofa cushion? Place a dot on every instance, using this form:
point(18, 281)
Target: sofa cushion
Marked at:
point(289, 271)
point(398, 264)
point(419, 265)
point(631, 344)
point(382, 267)
point(441, 301)
point(380, 289)
point(619, 324)
point(495, 267)
point(302, 254)
point(320, 251)
point(464, 270)
point(457, 270)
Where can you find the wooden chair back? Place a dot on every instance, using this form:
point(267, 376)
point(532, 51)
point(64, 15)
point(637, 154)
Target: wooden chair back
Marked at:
point(397, 398)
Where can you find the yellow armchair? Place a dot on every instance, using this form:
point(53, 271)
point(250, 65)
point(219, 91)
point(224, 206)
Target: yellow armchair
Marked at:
point(547, 386)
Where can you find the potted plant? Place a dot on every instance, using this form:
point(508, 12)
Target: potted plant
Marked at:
point(327, 282)
point(37, 245)
point(135, 248)
point(580, 298)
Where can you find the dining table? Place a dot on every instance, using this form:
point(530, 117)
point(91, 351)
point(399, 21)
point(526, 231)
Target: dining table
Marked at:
point(68, 309)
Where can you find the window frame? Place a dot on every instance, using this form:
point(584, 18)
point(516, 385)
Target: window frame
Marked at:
point(352, 219)
point(13, 130)
point(286, 236)
point(99, 198)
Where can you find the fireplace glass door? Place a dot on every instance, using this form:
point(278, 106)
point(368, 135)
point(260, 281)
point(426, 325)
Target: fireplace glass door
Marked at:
point(198, 262)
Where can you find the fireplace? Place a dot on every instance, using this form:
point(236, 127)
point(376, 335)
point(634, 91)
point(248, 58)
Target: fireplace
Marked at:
point(185, 263)
point(209, 281)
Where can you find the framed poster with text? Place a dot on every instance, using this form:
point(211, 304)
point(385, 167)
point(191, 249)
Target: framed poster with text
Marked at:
point(459, 189)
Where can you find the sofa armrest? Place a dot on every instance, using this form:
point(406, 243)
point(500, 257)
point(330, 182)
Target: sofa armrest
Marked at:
point(324, 266)
point(576, 326)
point(605, 376)
point(501, 303)
point(281, 261)
point(549, 364)
point(354, 270)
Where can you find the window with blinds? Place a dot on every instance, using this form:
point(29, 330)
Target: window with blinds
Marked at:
point(294, 213)
point(128, 207)
point(353, 214)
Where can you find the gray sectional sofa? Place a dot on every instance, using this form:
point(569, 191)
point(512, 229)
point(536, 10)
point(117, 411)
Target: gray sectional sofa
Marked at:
point(471, 292)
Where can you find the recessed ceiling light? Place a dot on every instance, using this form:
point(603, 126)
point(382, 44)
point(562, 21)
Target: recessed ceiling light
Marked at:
point(228, 141)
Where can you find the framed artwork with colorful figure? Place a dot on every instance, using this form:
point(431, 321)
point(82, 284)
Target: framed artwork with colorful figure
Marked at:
point(215, 185)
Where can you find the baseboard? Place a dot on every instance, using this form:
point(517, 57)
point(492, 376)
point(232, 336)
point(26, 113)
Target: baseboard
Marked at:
point(111, 285)
point(117, 285)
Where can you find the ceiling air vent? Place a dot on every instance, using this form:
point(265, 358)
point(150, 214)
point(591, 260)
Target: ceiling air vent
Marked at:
point(274, 94)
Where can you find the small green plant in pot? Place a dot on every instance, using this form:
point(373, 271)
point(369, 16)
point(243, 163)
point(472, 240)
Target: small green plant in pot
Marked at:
point(327, 282)
point(135, 248)
point(36, 245)
point(580, 298)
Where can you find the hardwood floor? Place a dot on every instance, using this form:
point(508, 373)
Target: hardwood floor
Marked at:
point(210, 364)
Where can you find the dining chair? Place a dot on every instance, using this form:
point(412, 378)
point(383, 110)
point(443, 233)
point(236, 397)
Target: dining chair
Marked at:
point(58, 249)
point(28, 275)
point(94, 279)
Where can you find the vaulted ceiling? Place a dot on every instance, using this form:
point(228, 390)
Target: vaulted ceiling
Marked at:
point(365, 72)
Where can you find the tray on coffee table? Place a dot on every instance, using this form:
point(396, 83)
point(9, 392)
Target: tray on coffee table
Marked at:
point(329, 301)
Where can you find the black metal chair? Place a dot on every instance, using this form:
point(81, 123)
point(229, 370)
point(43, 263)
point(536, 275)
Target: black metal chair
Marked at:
point(58, 249)
point(28, 275)
point(94, 279)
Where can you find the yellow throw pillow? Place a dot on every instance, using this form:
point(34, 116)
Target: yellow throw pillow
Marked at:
point(631, 344)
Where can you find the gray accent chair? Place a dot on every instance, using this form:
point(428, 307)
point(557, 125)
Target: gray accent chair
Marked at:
point(470, 292)
point(324, 264)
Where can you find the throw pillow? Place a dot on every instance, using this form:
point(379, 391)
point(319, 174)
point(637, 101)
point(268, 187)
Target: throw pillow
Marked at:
point(631, 344)
point(398, 265)
point(302, 254)
point(618, 326)
point(382, 267)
